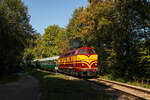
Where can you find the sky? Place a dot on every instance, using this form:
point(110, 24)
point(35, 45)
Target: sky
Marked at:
point(48, 12)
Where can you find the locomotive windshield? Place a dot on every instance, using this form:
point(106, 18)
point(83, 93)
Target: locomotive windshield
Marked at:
point(86, 51)
point(90, 51)
point(82, 51)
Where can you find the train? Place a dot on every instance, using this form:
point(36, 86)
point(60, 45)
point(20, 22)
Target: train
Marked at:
point(50, 63)
point(79, 62)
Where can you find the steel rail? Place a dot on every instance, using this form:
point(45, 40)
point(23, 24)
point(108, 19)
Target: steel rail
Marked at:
point(133, 90)
point(136, 91)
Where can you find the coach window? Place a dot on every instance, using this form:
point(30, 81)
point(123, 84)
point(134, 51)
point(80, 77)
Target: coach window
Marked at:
point(82, 51)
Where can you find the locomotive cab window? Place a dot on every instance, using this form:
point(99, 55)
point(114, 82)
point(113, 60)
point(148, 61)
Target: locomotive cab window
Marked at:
point(91, 51)
point(82, 51)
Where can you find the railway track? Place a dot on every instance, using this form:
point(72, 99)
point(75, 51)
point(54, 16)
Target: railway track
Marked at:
point(138, 92)
point(129, 89)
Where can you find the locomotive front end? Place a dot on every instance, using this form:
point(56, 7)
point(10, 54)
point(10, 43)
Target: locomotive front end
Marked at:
point(87, 60)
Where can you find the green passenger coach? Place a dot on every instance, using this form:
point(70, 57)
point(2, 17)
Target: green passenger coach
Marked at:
point(50, 63)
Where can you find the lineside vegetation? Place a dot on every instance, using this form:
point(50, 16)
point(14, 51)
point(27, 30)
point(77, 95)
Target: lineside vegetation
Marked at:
point(119, 31)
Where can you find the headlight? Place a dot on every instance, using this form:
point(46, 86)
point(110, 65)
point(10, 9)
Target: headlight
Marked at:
point(82, 65)
point(95, 65)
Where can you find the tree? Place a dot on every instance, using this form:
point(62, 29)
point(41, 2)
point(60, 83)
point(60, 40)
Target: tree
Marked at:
point(116, 29)
point(54, 41)
point(14, 31)
point(33, 51)
point(96, 24)
point(128, 35)
point(74, 29)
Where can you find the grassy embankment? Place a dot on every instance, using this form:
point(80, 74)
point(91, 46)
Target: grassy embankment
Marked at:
point(58, 87)
point(134, 83)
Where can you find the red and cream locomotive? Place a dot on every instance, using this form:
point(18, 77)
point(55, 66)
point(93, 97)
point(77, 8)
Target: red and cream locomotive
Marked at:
point(80, 62)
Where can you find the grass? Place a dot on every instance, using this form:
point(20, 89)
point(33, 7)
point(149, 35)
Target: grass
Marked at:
point(58, 87)
point(140, 84)
point(134, 83)
point(9, 79)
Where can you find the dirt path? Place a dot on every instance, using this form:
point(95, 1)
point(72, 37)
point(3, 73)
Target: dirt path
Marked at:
point(27, 88)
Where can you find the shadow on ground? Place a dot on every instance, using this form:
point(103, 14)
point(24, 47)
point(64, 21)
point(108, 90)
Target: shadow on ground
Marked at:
point(59, 87)
point(26, 88)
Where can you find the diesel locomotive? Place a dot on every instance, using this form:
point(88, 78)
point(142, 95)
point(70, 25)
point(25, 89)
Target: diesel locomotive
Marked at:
point(80, 62)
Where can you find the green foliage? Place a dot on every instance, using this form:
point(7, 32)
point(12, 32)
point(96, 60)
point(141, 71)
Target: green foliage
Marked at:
point(33, 51)
point(73, 28)
point(145, 61)
point(14, 33)
point(52, 43)
point(116, 29)
point(119, 31)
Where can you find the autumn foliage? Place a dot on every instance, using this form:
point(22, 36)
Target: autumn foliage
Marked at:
point(119, 31)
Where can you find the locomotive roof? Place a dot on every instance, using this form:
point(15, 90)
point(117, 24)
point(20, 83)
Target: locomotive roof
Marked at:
point(85, 48)
point(46, 59)
point(74, 50)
